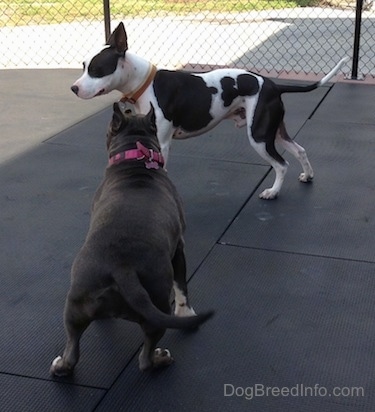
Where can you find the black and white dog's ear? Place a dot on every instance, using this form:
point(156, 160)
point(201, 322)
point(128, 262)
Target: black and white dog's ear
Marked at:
point(118, 39)
point(151, 119)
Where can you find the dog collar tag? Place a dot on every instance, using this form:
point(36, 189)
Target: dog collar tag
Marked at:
point(152, 165)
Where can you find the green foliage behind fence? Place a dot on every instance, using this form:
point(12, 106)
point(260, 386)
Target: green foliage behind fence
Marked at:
point(58, 11)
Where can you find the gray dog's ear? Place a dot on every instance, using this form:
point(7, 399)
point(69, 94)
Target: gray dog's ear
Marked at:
point(151, 118)
point(117, 118)
point(118, 39)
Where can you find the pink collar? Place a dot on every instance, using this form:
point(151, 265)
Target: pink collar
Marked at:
point(151, 159)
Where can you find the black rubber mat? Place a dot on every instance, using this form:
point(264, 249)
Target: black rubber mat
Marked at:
point(88, 134)
point(40, 108)
point(348, 103)
point(283, 321)
point(24, 394)
point(213, 192)
point(333, 216)
point(291, 280)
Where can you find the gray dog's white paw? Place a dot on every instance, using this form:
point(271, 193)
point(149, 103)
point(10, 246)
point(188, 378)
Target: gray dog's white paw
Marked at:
point(58, 368)
point(162, 357)
point(184, 311)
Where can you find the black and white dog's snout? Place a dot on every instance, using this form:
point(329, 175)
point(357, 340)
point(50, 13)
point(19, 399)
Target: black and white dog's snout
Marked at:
point(80, 91)
point(75, 89)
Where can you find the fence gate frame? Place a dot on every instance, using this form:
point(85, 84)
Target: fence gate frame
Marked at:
point(356, 42)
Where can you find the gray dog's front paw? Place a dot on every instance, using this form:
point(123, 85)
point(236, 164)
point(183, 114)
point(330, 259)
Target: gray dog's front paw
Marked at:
point(58, 368)
point(162, 357)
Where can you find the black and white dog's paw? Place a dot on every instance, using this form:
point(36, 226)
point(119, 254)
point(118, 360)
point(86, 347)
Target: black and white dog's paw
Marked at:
point(269, 194)
point(305, 177)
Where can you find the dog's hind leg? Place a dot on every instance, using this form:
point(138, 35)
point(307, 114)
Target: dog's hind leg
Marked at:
point(75, 325)
point(182, 307)
point(268, 152)
point(263, 117)
point(150, 356)
point(297, 151)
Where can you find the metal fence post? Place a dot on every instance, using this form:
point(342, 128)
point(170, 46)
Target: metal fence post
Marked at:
point(107, 19)
point(357, 35)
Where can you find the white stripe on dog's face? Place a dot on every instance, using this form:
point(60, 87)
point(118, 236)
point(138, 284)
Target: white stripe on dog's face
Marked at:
point(98, 74)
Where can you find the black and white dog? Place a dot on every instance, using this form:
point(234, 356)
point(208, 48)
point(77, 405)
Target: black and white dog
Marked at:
point(189, 104)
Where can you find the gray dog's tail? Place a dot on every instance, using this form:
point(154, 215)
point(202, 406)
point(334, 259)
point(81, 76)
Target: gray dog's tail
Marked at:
point(139, 300)
point(308, 88)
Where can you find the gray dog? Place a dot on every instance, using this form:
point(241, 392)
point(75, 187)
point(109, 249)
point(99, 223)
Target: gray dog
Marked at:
point(134, 251)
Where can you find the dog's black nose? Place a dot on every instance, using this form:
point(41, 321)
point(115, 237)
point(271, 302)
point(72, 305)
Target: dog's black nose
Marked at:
point(74, 89)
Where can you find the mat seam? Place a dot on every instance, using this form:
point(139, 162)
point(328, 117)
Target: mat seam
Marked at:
point(296, 253)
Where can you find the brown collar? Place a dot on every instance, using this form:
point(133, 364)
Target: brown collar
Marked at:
point(134, 96)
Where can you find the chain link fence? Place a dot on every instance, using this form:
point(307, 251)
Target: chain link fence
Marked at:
point(264, 36)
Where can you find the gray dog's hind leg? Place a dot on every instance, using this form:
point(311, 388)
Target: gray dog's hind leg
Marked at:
point(150, 356)
point(75, 325)
point(182, 307)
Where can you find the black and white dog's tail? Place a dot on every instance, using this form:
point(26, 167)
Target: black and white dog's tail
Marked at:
point(137, 297)
point(308, 88)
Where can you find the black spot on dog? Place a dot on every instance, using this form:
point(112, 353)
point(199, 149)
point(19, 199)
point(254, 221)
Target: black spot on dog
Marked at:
point(184, 98)
point(229, 91)
point(104, 63)
point(247, 85)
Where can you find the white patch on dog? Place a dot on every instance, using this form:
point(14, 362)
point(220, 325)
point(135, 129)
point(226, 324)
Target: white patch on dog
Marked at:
point(181, 309)
point(56, 360)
